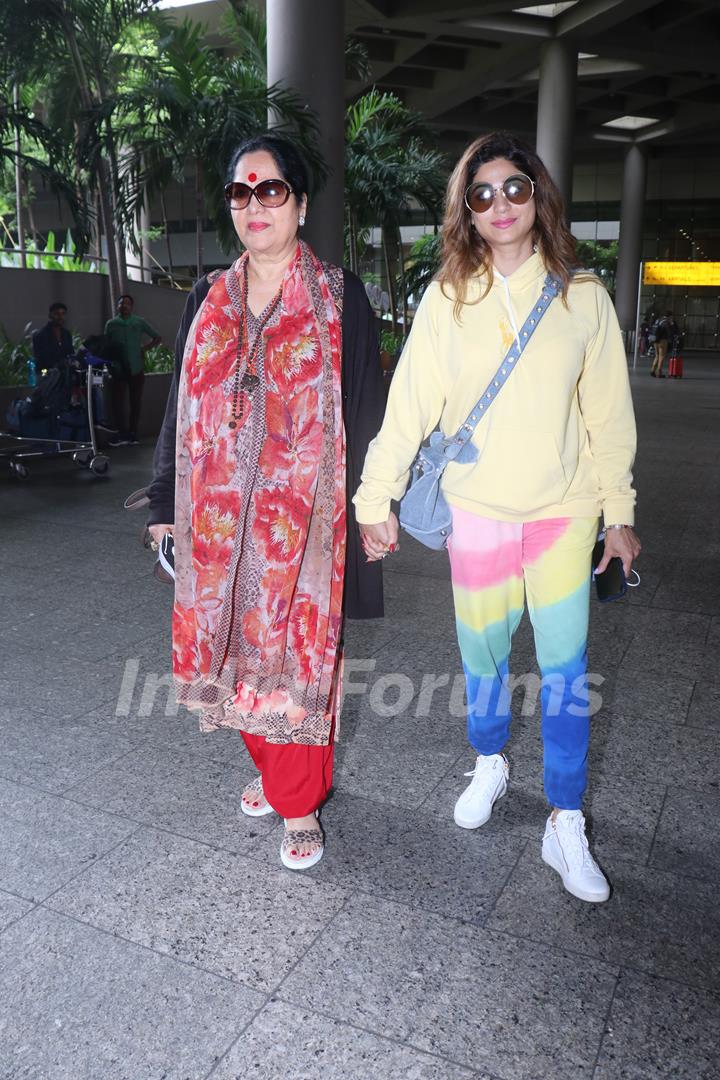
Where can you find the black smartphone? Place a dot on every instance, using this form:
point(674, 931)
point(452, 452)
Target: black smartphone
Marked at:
point(612, 583)
point(166, 558)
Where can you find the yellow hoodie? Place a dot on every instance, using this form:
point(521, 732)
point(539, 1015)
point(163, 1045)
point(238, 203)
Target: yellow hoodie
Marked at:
point(560, 439)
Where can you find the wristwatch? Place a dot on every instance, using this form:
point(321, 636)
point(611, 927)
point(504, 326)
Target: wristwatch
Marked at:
point(617, 527)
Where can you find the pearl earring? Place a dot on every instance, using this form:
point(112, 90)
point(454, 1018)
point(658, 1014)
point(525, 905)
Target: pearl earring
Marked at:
point(301, 219)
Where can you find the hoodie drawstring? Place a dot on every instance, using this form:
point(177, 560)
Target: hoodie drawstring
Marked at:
point(511, 313)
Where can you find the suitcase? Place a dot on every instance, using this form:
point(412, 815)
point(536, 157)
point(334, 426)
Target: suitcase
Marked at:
point(675, 367)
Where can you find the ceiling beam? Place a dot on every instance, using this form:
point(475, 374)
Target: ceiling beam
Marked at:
point(454, 89)
point(532, 26)
point(595, 16)
point(664, 55)
point(650, 55)
point(453, 9)
point(405, 49)
point(687, 118)
point(373, 8)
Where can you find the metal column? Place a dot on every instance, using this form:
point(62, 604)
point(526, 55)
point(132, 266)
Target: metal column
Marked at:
point(556, 113)
point(627, 287)
point(306, 53)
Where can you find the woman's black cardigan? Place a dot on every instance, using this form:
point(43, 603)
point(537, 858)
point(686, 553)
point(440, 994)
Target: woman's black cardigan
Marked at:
point(363, 407)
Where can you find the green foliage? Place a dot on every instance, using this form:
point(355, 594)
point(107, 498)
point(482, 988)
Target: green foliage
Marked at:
point(390, 341)
point(130, 99)
point(95, 45)
point(14, 358)
point(246, 27)
point(390, 167)
point(42, 151)
point(601, 258)
point(49, 257)
point(422, 265)
point(199, 107)
point(159, 359)
point(389, 162)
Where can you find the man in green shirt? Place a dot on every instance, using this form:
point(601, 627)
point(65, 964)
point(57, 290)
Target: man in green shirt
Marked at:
point(126, 332)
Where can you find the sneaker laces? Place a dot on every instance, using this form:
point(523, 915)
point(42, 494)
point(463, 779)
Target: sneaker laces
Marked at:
point(573, 830)
point(482, 767)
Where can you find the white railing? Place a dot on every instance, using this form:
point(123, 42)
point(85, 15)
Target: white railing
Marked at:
point(31, 259)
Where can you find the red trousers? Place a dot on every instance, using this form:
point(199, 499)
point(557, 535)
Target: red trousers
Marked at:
point(296, 779)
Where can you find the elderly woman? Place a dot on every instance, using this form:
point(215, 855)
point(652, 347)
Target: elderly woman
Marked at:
point(277, 393)
point(552, 452)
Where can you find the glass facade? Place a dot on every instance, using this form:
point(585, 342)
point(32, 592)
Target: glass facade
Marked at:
point(681, 223)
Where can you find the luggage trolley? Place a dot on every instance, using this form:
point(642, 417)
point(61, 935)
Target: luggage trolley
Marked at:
point(58, 419)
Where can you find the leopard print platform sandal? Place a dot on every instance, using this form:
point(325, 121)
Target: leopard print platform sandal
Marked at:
point(295, 838)
point(250, 803)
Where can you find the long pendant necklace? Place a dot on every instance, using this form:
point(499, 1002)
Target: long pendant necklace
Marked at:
point(250, 377)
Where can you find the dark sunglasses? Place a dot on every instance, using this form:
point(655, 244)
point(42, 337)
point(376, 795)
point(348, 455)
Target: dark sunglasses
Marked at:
point(518, 189)
point(269, 193)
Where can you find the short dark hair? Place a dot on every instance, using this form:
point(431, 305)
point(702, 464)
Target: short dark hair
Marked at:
point(126, 296)
point(58, 306)
point(284, 153)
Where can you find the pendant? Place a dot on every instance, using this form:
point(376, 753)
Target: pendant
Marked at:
point(249, 382)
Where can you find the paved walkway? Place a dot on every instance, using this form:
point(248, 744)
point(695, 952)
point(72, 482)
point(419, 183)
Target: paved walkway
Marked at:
point(147, 929)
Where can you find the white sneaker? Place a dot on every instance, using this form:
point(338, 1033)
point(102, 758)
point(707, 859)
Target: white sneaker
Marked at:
point(565, 848)
point(489, 783)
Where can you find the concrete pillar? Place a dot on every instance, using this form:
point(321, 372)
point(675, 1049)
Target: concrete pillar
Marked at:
point(305, 53)
point(630, 242)
point(556, 113)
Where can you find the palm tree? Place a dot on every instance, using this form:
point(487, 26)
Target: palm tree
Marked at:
point(88, 41)
point(196, 108)
point(388, 167)
point(29, 146)
point(246, 26)
point(137, 98)
point(422, 265)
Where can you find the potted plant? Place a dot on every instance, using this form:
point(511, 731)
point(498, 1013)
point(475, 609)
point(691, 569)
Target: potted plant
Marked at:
point(390, 346)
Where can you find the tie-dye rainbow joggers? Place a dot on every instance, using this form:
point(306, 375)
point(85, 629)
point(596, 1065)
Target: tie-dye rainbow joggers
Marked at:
point(495, 565)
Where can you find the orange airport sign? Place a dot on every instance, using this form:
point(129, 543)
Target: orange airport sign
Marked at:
point(681, 273)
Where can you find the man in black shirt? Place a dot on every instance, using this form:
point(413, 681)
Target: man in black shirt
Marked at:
point(53, 344)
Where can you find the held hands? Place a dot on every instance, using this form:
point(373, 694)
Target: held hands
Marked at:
point(380, 540)
point(623, 544)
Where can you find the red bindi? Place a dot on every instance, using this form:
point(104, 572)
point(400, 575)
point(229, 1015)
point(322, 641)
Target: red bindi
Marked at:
point(252, 177)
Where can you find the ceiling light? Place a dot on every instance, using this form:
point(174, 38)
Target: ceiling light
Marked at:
point(631, 123)
point(546, 11)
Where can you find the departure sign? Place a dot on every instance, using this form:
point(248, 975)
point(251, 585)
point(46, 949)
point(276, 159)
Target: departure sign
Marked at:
point(681, 273)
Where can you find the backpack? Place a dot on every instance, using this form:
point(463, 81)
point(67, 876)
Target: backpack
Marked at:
point(53, 392)
point(661, 329)
point(14, 413)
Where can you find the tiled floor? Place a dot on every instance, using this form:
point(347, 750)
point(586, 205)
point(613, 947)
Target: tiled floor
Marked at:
point(147, 930)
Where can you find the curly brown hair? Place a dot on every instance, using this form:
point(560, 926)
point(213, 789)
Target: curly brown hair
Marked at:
point(464, 252)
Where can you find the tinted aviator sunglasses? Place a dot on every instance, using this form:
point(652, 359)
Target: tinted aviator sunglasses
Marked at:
point(518, 189)
point(269, 193)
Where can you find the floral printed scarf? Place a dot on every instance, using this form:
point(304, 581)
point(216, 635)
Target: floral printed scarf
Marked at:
point(260, 514)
